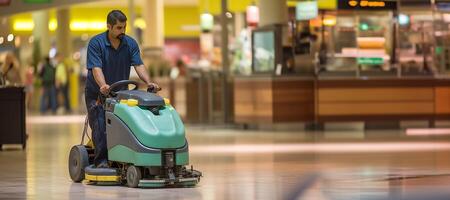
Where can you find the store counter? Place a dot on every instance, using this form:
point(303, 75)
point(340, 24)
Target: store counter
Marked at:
point(273, 99)
point(293, 99)
point(383, 99)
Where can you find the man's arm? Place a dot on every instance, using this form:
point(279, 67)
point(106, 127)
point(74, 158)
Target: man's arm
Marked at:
point(143, 75)
point(100, 79)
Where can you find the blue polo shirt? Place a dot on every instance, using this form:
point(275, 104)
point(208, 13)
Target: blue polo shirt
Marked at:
point(115, 63)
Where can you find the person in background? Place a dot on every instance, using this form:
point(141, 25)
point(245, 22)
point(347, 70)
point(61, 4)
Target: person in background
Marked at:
point(61, 83)
point(11, 70)
point(178, 70)
point(47, 74)
point(29, 85)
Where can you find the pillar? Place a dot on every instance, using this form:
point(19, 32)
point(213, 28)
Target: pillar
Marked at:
point(153, 14)
point(131, 18)
point(272, 12)
point(41, 31)
point(63, 39)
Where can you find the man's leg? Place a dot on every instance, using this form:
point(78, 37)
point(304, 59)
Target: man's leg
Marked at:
point(66, 97)
point(96, 117)
point(53, 103)
point(44, 99)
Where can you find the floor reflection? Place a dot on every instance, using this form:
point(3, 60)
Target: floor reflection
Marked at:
point(242, 164)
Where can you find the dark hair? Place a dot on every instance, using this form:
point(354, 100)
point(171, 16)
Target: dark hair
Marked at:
point(114, 16)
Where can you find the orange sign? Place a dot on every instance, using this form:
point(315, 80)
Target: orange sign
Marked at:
point(367, 4)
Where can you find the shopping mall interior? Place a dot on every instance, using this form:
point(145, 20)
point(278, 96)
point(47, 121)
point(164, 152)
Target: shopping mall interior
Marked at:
point(225, 99)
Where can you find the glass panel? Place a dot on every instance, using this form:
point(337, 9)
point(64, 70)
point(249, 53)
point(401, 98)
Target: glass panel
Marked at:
point(416, 44)
point(264, 57)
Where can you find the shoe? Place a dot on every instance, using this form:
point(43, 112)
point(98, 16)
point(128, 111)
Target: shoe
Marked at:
point(103, 164)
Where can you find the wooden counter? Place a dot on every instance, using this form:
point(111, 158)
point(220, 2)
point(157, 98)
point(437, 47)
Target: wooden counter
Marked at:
point(271, 100)
point(383, 99)
point(294, 99)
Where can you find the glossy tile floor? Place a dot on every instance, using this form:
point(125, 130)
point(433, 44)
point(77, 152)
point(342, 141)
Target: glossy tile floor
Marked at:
point(243, 164)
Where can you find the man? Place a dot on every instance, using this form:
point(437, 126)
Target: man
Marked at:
point(110, 56)
point(61, 82)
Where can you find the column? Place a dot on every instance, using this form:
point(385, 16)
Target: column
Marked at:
point(41, 31)
point(153, 14)
point(272, 12)
point(63, 39)
point(131, 19)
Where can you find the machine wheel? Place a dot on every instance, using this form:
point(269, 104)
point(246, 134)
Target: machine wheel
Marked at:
point(134, 175)
point(78, 160)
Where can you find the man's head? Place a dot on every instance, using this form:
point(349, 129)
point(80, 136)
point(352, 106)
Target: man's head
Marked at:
point(117, 23)
point(58, 57)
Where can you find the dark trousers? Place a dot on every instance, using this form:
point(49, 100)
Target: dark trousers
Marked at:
point(96, 117)
point(64, 91)
point(48, 99)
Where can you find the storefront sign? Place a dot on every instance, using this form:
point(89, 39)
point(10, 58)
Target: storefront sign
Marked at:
point(367, 5)
point(306, 10)
point(370, 61)
point(37, 1)
point(5, 2)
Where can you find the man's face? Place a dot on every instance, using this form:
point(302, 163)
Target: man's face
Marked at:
point(118, 30)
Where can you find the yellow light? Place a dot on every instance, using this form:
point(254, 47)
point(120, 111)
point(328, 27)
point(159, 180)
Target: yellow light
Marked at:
point(140, 23)
point(87, 25)
point(2, 40)
point(52, 25)
point(329, 21)
point(23, 25)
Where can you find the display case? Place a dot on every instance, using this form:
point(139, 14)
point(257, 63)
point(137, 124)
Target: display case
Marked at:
point(267, 50)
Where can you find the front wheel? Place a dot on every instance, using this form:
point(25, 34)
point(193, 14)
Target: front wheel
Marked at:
point(134, 175)
point(78, 160)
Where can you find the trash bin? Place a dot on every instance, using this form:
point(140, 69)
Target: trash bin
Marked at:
point(12, 116)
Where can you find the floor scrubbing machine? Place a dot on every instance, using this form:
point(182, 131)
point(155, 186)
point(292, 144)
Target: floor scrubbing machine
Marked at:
point(145, 139)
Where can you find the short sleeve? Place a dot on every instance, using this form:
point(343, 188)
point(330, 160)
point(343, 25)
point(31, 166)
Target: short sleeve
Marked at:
point(135, 54)
point(94, 55)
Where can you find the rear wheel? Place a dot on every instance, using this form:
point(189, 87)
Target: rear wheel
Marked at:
point(78, 160)
point(134, 175)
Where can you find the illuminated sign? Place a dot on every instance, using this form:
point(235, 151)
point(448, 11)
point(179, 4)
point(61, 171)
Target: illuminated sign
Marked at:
point(367, 5)
point(370, 61)
point(403, 19)
point(306, 10)
point(5, 2)
point(206, 21)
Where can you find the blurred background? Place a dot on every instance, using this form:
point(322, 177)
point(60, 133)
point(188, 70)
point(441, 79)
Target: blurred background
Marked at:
point(285, 83)
point(317, 52)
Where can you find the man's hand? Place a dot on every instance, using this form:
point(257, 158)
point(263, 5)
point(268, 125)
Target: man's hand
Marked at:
point(153, 87)
point(104, 89)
